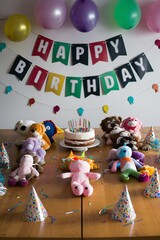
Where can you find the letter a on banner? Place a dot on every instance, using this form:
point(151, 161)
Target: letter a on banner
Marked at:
point(42, 47)
point(20, 67)
point(37, 77)
point(55, 83)
point(61, 52)
point(125, 74)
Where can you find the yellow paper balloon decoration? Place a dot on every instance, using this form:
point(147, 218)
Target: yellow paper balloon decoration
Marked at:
point(17, 27)
point(105, 108)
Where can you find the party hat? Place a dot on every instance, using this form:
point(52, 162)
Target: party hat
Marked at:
point(3, 189)
point(4, 158)
point(153, 188)
point(34, 211)
point(149, 137)
point(123, 211)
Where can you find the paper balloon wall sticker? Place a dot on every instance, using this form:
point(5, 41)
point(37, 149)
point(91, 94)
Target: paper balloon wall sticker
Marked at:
point(157, 43)
point(8, 89)
point(130, 99)
point(56, 109)
point(80, 111)
point(105, 108)
point(2, 46)
point(31, 101)
point(155, 87)
point(34, 211)
point(153, 188)
point(4, 158)
point(123, 211)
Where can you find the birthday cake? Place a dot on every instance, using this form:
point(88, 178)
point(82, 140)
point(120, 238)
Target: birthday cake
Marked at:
point(79, 134)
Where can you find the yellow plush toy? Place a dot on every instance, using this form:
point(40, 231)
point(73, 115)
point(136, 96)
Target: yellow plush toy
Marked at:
point(38, 130)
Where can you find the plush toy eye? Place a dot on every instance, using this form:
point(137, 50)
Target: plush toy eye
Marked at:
point(86, 188)
point(76, 187)
point(48, 128)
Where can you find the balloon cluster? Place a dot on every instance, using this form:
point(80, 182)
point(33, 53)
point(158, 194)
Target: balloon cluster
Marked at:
point(84, 15)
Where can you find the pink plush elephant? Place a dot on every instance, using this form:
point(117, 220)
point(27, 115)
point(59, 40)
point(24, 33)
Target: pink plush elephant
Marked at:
point(25, 168)
point(80, 174)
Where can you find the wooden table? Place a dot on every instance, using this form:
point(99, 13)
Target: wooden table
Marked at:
point(85, 222)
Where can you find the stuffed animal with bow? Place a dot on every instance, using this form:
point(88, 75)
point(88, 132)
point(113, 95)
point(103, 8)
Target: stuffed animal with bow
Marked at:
point(133, 125)
point(80, 175)
point(127, 165)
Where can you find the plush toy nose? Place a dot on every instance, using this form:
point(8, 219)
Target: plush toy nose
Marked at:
point(33, 130)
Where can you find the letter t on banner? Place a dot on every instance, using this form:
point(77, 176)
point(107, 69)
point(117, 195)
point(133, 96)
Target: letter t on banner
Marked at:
point(42, 47)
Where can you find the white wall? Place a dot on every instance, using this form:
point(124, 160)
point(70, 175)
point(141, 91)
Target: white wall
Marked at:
point(14, 107)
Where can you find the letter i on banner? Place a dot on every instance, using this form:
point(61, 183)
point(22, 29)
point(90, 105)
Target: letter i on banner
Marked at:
point(55, 83)
point(37, 77)
point(20, 67)
point(42, 47)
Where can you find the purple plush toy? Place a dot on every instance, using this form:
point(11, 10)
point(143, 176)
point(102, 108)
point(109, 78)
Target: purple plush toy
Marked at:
point(33, 146)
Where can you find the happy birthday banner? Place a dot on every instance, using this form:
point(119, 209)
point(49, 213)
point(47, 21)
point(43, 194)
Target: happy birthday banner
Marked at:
point(79, 52)
point(108, 81)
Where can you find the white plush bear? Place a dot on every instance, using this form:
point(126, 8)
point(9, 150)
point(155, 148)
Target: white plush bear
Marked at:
point(22, 127)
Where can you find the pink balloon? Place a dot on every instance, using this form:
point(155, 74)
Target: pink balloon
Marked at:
point(153, 17)
point(51, 14)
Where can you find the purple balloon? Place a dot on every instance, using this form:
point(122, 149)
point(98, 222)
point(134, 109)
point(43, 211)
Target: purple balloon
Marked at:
point(153, 17)
point(50, 14)
point(84, 15)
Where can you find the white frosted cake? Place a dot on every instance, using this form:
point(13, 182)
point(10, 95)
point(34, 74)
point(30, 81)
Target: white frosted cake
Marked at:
point(79, 135)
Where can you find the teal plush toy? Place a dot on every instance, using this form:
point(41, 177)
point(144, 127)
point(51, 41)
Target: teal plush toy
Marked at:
point(127, 165)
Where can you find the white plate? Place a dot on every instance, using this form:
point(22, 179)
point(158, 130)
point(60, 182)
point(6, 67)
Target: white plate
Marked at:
point(80, 149)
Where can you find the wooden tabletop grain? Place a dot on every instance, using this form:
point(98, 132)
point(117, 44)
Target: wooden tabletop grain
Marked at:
point(83, 220)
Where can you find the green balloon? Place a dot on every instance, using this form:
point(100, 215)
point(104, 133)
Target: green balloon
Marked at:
point(127, 13)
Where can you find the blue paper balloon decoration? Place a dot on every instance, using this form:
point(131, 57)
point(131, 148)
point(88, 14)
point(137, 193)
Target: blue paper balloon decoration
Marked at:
point(127, 13)
point(84, 15)
point(80, 111)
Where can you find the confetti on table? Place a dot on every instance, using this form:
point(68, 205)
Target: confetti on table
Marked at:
point(139, 220)
point(90, 204)
point(53, 219)
point(42, 193)
point(70, 212)
point(16, 205)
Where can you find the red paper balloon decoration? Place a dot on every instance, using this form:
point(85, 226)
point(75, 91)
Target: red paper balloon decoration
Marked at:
point(153, 16)
point(84, 15)
point(51, 14)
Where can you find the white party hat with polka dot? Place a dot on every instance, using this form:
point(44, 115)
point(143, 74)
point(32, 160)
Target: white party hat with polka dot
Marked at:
point(123, 211)
point(34, 211)
point(4, 158)
point(153, 188)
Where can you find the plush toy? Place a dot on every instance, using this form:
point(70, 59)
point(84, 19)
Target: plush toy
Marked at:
point(80, 174)
point(134, 126)
point(38, 131)
point(22, 128)
point(19, 176)
point(127, 165)
point(107, 125)
point(137, 157)
point(33, 147)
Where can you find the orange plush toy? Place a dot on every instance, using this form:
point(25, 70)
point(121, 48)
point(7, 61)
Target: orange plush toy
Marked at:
point(38, 130)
